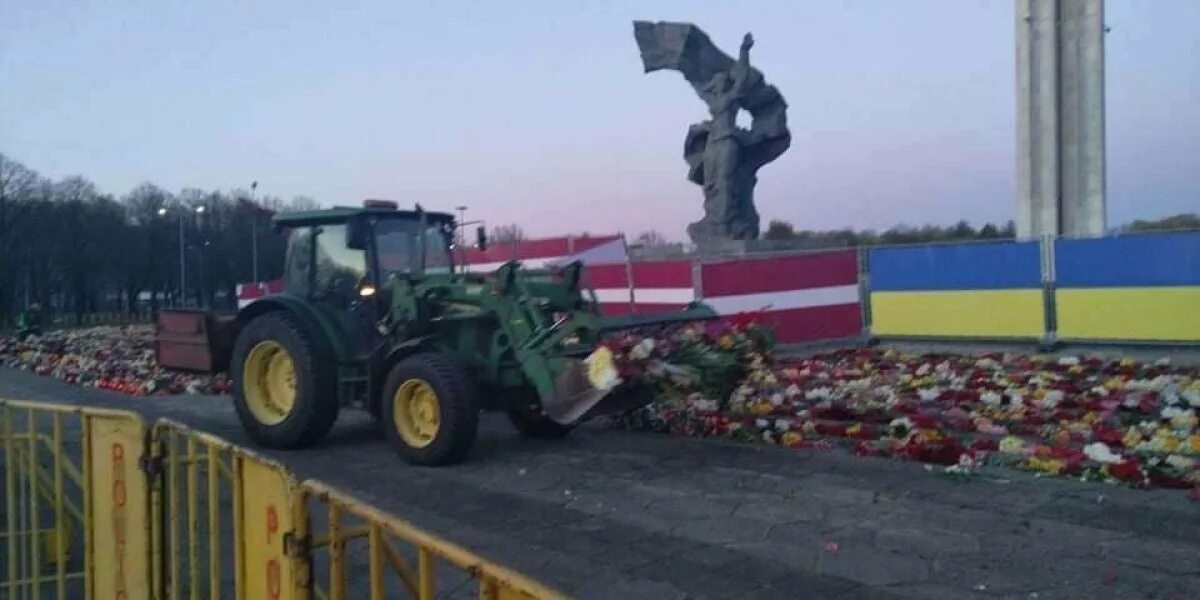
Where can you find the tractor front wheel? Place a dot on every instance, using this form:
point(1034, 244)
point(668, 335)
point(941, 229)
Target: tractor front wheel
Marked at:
point(283, 392)
point(429, 410)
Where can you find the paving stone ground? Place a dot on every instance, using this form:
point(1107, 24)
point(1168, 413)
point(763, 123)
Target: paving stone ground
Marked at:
point(610, 514)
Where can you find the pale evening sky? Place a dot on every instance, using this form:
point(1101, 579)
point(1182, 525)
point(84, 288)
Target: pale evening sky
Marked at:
point(538, 113)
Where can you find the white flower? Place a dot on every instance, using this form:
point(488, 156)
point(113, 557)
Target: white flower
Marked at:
point(777, 399)
point(762, 423)
point(1100, 452)
point(1181, 462)
point(705, 405)
point(1068, 361)
point(923, 370)
point(991, 398)
point(900, 426)
point(1015, 399)
point(822, 393)
point(929, 394)
point(1193, 397)
point(1100, 391)
point(792, 391)
point(1053, 397)
point(783, 425)
point(642, 350)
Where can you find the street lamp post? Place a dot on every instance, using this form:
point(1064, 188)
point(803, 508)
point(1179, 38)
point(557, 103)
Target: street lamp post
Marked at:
point(254, 234)
point(162, 212)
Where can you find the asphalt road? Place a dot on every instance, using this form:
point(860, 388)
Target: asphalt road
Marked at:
point(618, 515)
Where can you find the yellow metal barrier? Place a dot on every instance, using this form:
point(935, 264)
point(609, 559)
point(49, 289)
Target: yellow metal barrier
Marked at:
point(338, 520)
point(223, 516)
point(96, 507)
point(70, 473)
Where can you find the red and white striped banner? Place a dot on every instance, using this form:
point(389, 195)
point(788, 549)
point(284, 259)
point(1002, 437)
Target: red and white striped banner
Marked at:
point(249, 292)
point(547, 252)
point(807, 298)
point(662, 285)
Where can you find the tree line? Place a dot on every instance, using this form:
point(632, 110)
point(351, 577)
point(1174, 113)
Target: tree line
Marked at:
point(68, 248)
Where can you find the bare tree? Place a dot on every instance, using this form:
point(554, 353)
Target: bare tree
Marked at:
point(17, 187)
point(651, 239)
point(507, 233)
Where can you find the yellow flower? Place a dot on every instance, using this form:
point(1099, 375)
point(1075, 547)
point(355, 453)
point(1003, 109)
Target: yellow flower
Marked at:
point(1011, 445)
point(1194, 442)
point(726, 341)
point(853, 430)
point(762, 408)
point(1046, 465)
point(601, 370)
point(1114, 383)
point(810, 428)
point(1132, 438)
point(791, 437)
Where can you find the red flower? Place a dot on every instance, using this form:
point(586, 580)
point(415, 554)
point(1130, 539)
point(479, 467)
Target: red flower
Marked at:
point(1169, 481)
point(834, 429)
point(1128, 470)
point(1109, 435)
point(923, 420)
point(1148, 403)
point(985, 445)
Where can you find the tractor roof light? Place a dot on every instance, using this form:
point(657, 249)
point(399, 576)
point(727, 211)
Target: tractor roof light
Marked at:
point(375, 203)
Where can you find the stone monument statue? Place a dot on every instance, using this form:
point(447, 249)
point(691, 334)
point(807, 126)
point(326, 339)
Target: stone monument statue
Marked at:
point(722, 157)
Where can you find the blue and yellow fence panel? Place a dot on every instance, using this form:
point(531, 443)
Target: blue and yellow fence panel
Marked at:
point(1129, 288)
point(986, 290)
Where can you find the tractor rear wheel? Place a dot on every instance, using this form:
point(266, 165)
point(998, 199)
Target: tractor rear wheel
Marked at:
point(429, 410)
point(536, 425)
point(284, 392)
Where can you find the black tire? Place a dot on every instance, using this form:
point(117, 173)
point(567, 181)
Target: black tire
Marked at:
point(457, 409)
point(534, 425)
point(315, 407)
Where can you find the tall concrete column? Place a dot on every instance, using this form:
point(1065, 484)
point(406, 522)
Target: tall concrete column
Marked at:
point(1060, 117)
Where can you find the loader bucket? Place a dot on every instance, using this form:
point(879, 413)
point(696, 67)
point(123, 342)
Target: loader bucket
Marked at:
point(580, 385)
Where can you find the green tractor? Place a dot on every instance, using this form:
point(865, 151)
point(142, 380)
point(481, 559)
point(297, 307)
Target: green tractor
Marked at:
point(376, 314)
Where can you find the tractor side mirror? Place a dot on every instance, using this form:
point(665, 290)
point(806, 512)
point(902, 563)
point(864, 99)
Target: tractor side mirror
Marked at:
point(481, 241)
point(357, 229)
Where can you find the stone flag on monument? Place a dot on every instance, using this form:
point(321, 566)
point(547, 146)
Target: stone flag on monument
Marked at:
point(721, 157)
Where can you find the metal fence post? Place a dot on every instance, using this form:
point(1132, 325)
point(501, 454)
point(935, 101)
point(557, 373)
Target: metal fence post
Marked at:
point(1049, 304)
point(629, 276)
point(697, 278)
point(864, 291)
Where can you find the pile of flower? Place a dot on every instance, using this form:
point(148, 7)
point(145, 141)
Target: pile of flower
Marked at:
point(112, 358)
point(1114, 420)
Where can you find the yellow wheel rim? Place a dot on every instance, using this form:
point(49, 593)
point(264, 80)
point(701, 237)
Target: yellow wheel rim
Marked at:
point(416, 413)
point(269, 382)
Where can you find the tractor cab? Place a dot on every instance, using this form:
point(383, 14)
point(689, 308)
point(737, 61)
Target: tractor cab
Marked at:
point(343, 259)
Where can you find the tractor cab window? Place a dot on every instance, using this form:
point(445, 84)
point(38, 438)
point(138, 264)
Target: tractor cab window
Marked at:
point(340, 270)
point(299, 253)
point(398, 245)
